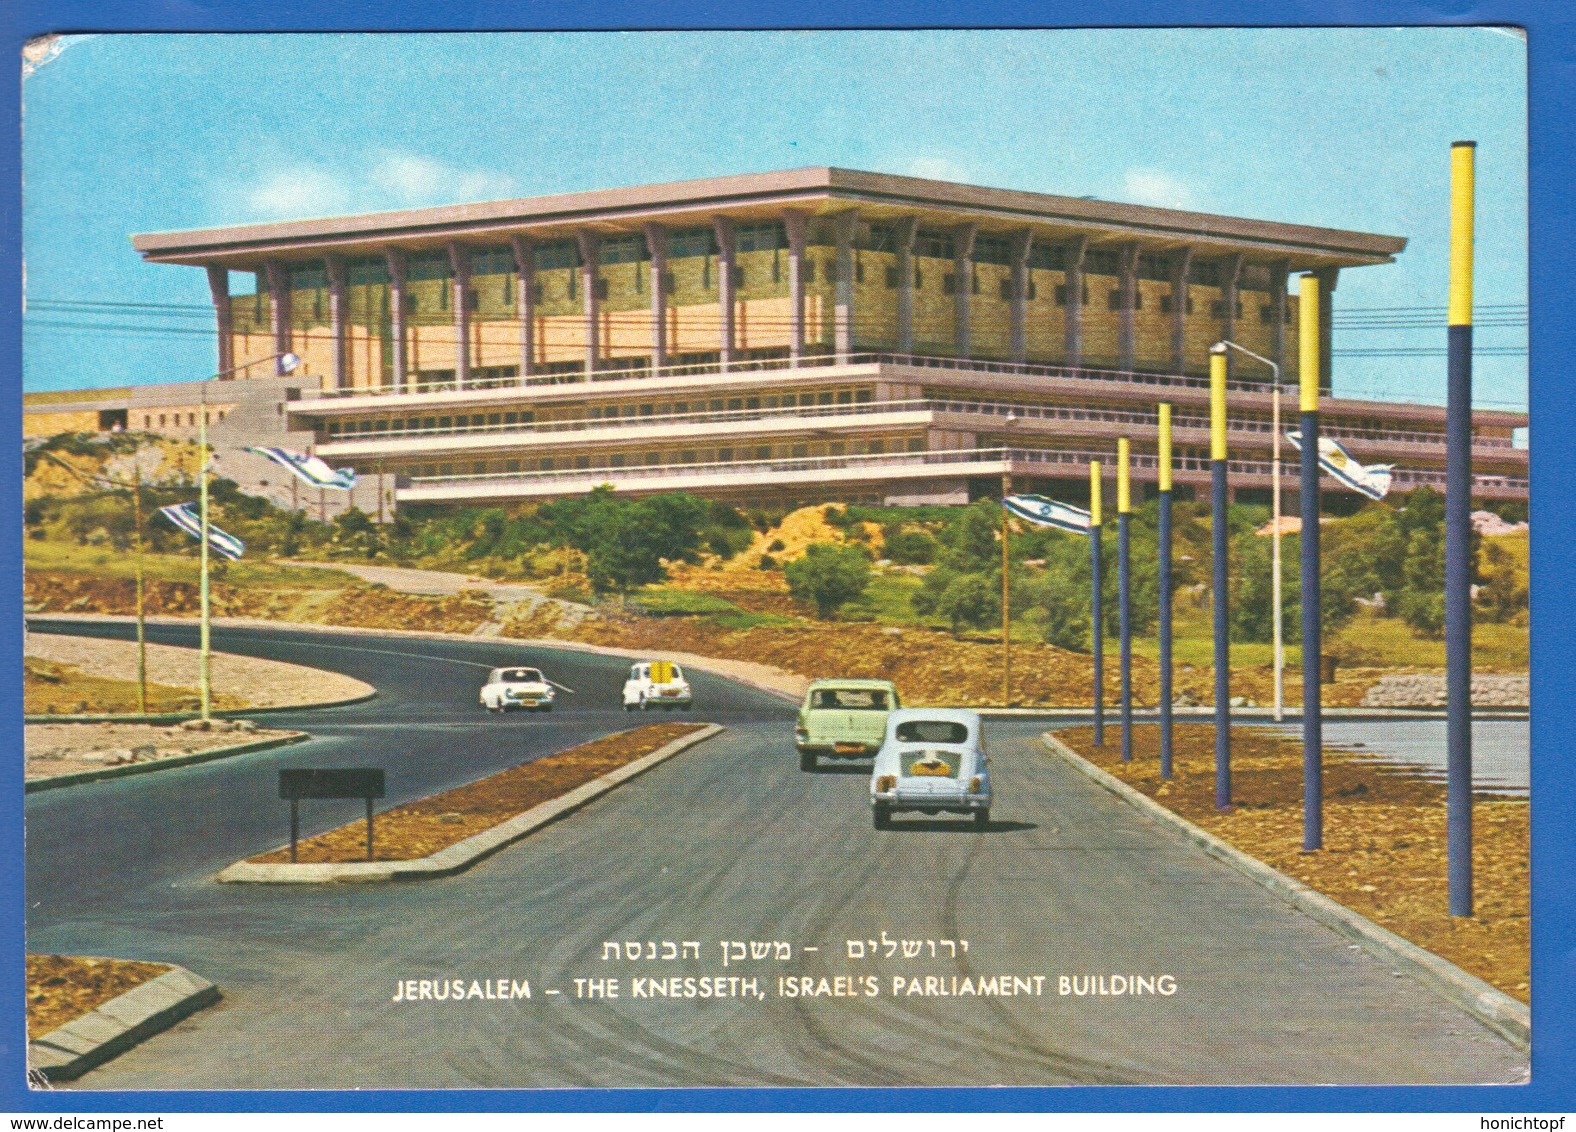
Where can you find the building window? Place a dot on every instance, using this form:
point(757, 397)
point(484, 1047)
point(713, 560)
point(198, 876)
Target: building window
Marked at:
point(949, 284)
point(891, 278)
point(974, 282)
point(601, 288)
point(738, 277)
point(1006, 290)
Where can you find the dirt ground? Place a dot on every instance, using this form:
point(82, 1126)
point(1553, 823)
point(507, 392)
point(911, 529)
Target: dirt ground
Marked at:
point(102, 675)
point(63, 987)
point(420, 829)
point(1384, 837)
point(68, 748)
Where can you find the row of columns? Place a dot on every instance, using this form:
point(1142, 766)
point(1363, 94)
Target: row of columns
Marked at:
point(796, 224)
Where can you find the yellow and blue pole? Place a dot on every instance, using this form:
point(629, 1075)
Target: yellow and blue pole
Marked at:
point(1217, 475)
point(1097, 625)
point(1163, 551)
point(1124, 594)
point(1458, 535)
point(205, 618)
point(1308, 302)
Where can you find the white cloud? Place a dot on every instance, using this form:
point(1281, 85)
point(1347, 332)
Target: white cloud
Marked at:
point(377, 182)
point(938, 168)
point(413, 180)
point(297, 191)
point(1157, 187)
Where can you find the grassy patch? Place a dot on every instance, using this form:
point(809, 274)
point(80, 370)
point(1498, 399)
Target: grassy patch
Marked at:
point(663, 601)
point(887, 600)
point(62, 689)
point(68, 558)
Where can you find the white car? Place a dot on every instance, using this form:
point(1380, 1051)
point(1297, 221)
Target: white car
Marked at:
point(932, 761)
point(657, 684)
point(509, 688)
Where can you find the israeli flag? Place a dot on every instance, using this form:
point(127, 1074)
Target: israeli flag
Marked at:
point(1372, 480)
point(309, 469)
point(184, 516)
point(1043, 512)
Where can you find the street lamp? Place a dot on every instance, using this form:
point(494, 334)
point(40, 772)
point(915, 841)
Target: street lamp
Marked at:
point(1006, 596)
point(288, 363)
point(1275, 525)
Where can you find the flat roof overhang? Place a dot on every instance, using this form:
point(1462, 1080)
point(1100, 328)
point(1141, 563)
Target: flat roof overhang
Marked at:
point(817, 190)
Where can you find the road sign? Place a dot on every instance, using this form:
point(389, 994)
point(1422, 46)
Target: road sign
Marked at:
point(329, 782)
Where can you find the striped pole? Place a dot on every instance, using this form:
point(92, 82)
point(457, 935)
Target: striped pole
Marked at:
point(1458, 534)
point(1097, 626)
point(1308, 302)
point(1217, 475)
point(1124, 595)
point(1163, 550)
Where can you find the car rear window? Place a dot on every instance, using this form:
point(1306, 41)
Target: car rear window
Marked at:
point(520, 676)
point(932, 731)
point(851, 699)
point(931, 764)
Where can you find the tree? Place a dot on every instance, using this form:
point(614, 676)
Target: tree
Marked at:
point(829, 574)
point(969, 601)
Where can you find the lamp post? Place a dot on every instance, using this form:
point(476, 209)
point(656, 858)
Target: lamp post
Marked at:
point(288, 364)
point(1006, 595)
point(1279, 613)
point(1163, 554)
point(1308, 303)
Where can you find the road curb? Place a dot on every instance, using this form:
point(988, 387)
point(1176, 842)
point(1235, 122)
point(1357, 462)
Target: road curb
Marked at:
point(1510, 1019)
point(182, 716)
point(694, 660)
point(54, 782)
point(110, 1030)
point(462, 854)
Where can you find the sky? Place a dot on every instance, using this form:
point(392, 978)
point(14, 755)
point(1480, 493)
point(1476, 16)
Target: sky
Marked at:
point(1341, 127)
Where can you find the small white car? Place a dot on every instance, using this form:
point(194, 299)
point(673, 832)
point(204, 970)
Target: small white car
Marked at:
point(657, 684)
point(932, 761)
point(510, 688)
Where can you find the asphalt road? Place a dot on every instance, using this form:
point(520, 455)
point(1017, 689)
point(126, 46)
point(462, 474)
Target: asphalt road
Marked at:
point(727, 842)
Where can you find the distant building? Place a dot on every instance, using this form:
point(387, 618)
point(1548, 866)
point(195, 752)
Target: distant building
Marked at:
point(775, 338)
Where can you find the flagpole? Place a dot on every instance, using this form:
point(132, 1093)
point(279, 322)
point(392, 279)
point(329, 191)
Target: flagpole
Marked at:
point(1097, 628)
point(1309, 301)
point(1163, 553)
point(1006, 603)
point(1124, 588)
point(1220, 556)
point(142, 636)
point(204, 657)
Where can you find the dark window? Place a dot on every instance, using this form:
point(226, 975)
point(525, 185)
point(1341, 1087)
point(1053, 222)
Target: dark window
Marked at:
point(1049, 257)
point(1267, 313)
point(601, 288)
point(738, 276)
point(992, 249)
point(557, 254)
point(492, 261)
point(1006, 291)
point(1102, 263)
point(689, 242)
point(859, 271)
point(949, 286)
point(1156, 267)
point(931, 731)
point(1204, 273)
point(891, 278)
point(1114, 302)
point(769, 236)
point(428, 265)
point(808, 271)
point(936, 245)
point(1033, 293)
point(1061, 301)
point(622, 249)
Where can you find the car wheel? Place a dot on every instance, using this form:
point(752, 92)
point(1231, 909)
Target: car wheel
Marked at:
point(807, 760)
point(882, 815)
point(493, 707)
point(629, 707)
point(981, 819)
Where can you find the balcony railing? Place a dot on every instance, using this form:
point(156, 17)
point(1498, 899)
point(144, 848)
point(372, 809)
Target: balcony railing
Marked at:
point(1140, 419)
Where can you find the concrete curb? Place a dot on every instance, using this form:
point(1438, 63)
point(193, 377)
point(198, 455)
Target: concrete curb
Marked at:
point(122, 1022)
point(182, 716)
point(462, 854)
point(54, 782)
point(1510, 1019)
point(705, 664)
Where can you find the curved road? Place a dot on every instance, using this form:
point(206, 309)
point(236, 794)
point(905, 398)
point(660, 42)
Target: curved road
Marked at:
point(727, 842)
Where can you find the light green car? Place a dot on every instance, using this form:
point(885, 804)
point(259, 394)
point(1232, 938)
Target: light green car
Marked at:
point(843, 719)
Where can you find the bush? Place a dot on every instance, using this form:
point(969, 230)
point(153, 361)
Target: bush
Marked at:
point(829, 574)
point(908, 547)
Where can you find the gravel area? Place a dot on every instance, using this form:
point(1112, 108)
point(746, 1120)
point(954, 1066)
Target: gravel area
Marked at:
point(68, 748)
point(1427, 689)
point(257, 683)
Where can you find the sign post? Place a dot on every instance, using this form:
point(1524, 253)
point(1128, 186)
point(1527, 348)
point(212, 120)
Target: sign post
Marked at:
point(335, 782)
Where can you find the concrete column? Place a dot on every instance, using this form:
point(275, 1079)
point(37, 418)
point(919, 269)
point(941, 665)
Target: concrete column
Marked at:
point(525, 306)
point(590, 246)
point(1073, 273)
point(903, 244)
point(1127, 317)
point(279, 310)
point(727, 260)
point(1328, 277)
point(1230, 273)
point(398, 302)
point(796, 224)
point(460, 304)
point(657, 247)
point(962, 285)
point(339, 319)
point(219, 288)
point(1022, 243)
point(1279, 271)
point(844, 292)
point(1181, 264)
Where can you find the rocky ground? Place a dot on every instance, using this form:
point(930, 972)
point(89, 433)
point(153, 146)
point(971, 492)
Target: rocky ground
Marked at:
point(69, 748)
point(1427, 689)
